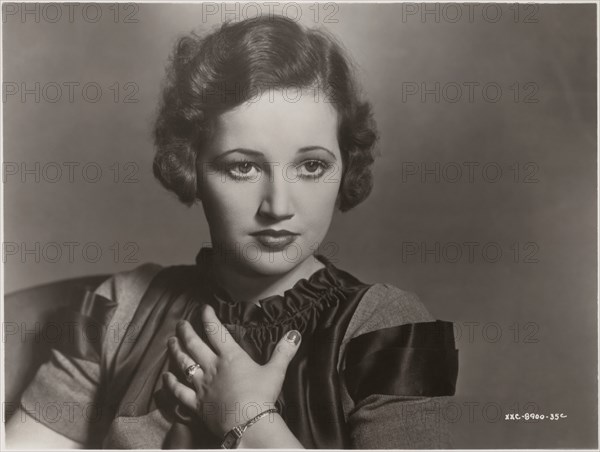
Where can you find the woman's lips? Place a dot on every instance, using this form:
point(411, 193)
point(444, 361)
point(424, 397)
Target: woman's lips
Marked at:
point(275, 243)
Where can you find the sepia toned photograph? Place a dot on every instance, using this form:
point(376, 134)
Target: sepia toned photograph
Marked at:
point(299, 225)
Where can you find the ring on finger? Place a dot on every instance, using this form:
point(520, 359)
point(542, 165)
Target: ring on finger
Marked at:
point(190, 371)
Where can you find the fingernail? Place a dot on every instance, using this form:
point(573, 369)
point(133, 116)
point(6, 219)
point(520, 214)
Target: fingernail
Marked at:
point(293, 337)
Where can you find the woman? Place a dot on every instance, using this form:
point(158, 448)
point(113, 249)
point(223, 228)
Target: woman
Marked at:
point(263, 343)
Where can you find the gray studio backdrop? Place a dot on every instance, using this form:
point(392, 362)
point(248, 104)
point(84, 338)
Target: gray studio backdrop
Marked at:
point(485, 185)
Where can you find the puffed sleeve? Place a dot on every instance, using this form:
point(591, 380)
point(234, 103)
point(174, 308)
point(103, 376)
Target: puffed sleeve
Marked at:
point(399, 370)
point(64, 394)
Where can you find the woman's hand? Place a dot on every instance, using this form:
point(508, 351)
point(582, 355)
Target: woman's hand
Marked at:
point(231, 387)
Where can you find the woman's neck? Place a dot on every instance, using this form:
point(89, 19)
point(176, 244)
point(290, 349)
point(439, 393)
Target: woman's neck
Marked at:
point(251, 288)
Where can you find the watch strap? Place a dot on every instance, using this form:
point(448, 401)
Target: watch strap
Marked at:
point(232, 438)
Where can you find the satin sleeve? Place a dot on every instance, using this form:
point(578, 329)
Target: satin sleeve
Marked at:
point(414, 359)
point(66, 392)
point(400, 372)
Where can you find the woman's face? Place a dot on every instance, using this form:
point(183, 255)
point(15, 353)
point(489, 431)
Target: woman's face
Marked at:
point(273, 164)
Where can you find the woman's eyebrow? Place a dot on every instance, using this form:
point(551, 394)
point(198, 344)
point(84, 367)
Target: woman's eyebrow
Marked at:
point(315, 148)
point(260, 154)
point(242, 151)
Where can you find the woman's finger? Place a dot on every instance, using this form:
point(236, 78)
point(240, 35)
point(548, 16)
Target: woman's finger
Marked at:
point(182, 359)
point(194, 345)
point(285, 351)
point(219, 336)
point(184, 394)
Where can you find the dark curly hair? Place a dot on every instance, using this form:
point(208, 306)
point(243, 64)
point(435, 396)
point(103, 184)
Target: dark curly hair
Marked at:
point(209, 75)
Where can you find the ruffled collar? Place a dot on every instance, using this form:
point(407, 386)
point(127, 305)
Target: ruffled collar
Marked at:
point(304, 296)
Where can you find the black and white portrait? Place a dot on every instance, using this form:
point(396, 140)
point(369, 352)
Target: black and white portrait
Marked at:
point(294, 225)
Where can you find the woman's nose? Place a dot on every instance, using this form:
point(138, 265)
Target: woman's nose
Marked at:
point(276, 202)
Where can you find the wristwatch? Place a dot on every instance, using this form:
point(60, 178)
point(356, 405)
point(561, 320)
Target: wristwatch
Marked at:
point(231, 440)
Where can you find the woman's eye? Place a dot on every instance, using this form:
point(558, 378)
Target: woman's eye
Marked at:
point(242, 170)
point(312, 168)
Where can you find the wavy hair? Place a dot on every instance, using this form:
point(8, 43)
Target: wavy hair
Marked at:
point(209, 75)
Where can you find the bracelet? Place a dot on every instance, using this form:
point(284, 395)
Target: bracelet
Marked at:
point(232, 438)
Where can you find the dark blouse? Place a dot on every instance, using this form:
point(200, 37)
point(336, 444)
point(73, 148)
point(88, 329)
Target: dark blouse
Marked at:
point(336, 387)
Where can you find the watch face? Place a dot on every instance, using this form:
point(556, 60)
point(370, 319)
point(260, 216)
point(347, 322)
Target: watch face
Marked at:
point(230, 441)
